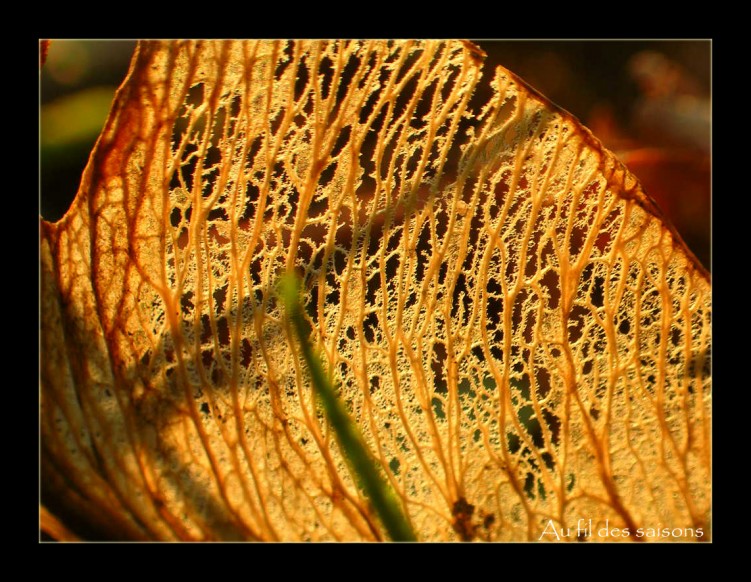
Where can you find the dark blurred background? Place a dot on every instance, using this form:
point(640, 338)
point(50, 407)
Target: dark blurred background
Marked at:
point(77, 84)
point(647, 101)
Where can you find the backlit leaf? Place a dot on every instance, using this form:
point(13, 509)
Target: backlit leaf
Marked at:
point(522, 340)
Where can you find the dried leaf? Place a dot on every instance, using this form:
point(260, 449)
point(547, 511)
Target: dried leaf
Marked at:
point(523, 341)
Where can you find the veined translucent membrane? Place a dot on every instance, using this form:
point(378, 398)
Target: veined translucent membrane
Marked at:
point(523, 341)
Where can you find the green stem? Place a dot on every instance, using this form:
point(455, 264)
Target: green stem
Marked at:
point(361, 462)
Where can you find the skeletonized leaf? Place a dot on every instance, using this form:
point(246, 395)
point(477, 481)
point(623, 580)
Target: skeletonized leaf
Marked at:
point(522, 340)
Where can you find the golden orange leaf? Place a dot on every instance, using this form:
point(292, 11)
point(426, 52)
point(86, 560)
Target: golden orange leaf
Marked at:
point(522, 339)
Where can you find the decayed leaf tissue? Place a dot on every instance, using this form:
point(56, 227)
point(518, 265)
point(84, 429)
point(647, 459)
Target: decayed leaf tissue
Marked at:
point(522, 340)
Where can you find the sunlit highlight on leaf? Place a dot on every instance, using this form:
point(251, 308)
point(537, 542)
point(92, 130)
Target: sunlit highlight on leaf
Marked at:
point(520, 338)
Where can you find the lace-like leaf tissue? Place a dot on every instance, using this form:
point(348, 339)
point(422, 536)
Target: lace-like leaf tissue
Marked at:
point(522, 339)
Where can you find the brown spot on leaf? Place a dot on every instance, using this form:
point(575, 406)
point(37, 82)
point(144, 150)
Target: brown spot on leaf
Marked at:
point(462, 523)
